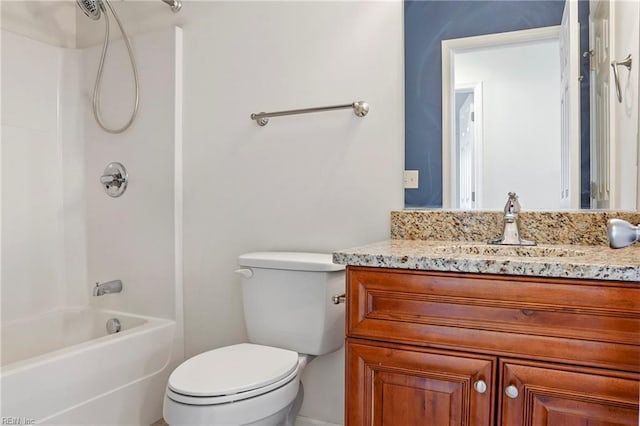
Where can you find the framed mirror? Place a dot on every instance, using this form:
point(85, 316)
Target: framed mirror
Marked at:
point(553, 156)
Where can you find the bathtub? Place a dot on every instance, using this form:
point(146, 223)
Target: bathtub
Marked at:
point(62, 367)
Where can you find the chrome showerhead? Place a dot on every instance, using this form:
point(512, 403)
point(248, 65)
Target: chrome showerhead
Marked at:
point(91, 8)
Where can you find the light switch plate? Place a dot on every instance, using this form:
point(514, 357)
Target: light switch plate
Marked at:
point(410, 179)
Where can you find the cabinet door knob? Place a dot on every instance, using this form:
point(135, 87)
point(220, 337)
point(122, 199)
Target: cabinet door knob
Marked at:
point(480, 386)
point(511, 391)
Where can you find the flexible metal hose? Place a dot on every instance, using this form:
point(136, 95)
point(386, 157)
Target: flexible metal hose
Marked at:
point(97, 87)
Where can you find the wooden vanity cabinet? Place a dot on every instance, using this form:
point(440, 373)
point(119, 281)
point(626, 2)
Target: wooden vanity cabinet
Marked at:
point(549, 396)
point(435, 348)
point(402, 385)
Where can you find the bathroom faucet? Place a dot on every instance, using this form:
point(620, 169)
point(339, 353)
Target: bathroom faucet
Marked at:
point(511, 231)
point(621, 233)
point(109, 287)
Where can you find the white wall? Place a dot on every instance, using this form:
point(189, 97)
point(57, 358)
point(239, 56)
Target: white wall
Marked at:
point(43, 240)
point(316, 182)
point(521, 126)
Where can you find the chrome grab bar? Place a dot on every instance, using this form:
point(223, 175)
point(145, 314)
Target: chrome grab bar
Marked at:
point(626, 62)
point(360, 109)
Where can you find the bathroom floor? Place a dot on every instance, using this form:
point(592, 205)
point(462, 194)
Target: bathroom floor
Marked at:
point(300, 421)
point(306, 421)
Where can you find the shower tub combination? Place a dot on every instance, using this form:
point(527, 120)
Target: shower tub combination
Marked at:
point(63, 367)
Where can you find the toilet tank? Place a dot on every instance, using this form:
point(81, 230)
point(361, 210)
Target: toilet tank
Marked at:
point(287, 300)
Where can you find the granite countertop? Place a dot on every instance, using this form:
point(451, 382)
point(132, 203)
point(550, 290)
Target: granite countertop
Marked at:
point(545, 260)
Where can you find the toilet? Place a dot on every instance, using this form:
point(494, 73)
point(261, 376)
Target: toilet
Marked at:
point(290, 319)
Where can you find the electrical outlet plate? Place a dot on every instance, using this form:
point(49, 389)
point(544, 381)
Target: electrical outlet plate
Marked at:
point(410, 179)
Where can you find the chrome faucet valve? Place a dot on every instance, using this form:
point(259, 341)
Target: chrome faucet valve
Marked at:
point(114, 179)
point(511, 232)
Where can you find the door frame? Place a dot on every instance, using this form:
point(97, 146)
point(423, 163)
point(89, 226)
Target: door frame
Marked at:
point(476, 89)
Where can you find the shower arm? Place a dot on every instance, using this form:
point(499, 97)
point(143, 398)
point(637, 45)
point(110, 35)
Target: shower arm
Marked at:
point(176, 5)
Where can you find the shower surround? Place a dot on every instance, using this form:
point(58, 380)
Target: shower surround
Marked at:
point(62, 233)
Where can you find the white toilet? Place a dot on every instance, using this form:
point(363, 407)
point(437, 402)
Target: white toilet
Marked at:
point(290, 318)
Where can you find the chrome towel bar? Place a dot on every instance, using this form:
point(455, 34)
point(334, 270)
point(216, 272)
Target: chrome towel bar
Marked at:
point(360, 108)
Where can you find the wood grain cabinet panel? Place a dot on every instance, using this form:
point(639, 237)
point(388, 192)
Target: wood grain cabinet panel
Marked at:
point(394, 385)
point(594, 323)
point(549, 395)
point(567, 350)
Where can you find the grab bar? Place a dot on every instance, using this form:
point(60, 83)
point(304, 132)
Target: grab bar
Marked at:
point(360, 109)
point(626, 62)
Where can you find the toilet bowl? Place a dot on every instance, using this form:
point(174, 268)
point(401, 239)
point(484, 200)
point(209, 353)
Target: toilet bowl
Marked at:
point(243, 384)
point(290, 319)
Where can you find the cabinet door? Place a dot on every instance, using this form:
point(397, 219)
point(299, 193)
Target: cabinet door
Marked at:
point(535, 394)
point(396, 385)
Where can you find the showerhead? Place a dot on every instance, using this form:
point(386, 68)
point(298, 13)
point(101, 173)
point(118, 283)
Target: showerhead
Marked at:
point(91, 8)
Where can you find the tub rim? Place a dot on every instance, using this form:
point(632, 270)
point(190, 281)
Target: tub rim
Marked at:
point(150, 323)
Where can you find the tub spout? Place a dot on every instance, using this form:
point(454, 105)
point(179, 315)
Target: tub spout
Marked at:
point(114, 286)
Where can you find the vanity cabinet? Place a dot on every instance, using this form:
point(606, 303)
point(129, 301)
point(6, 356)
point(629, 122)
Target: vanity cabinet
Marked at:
point(436, 348)
point(401, 385)
point(544, 395)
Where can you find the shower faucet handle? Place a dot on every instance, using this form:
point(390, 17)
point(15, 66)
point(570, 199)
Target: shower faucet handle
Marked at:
point(114, 179)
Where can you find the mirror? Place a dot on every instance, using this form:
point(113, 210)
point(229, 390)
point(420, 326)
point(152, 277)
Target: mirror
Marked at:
point(492, 101)
point(568, 172)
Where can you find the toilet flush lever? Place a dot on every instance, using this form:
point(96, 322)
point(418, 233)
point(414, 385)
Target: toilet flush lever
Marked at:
point(339, 298)
point(245, 272)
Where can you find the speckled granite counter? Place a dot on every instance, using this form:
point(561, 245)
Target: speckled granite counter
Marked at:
point(596, 262)
point(571, 245)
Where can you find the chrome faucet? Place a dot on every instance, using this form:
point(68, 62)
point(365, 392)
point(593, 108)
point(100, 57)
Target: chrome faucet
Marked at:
point(621, 233)
point(511, 231)
point(109, 287)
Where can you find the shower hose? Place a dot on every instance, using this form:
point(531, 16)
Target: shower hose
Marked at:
point(97, 86)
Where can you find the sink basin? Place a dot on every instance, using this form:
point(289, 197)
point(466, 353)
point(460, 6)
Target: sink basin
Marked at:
point(511, 251)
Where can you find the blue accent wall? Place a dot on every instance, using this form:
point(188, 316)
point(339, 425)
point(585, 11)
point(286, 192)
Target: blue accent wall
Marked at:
point(426, 24)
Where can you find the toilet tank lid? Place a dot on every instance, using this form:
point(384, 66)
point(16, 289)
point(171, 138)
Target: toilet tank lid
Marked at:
point(293, 261)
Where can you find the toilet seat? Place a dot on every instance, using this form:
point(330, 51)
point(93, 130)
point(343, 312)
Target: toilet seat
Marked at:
point(232, 373)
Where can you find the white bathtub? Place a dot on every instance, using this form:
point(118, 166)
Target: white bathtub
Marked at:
point(63, 367)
